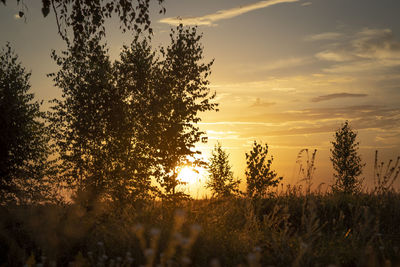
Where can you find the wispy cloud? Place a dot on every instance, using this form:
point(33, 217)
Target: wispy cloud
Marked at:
point(306, 4)
point(336, 56)
point(210, 19)
point(285, 63)
point(316, 115)
point(260, 103)
point(324, 36)
point(218, 135)
point(313, 121)
point(334, 96)
point(369, 50)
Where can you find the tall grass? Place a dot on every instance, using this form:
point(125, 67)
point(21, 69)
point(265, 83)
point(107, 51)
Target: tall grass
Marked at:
point(385, 176)
point(285, 230)
point(306, 167)
point(293, 228)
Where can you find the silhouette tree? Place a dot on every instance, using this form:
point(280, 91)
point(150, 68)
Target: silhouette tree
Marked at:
point(259, 175)
point(346, 161)
point(80, 121)
point(181, 93)
point(97, 125)
point(24, 145)
point(120, 124)
point(132, 121)
point(221, 180)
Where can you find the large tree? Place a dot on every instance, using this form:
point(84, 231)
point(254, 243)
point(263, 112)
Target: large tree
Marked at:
point(181, 94)
point(120, 124)
point(346, 161)
point(24, 145)
point(92, 127)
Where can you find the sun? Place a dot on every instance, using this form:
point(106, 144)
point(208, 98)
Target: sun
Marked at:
point(188, 175)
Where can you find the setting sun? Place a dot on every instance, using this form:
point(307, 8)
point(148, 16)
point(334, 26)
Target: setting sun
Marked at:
point(188, 175)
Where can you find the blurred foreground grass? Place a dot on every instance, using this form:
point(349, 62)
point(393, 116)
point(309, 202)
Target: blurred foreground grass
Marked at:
point(291, 229)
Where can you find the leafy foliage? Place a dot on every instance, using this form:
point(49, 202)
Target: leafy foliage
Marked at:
point(94, 127)
point(90, 16)
point(346, 161)
point(121, 124)
point(258, 173)
point(23, 138)
point(79, 121)
point(220, 179)
point(181, 93)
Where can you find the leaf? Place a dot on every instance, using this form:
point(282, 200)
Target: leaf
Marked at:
point(45, 11)
point(46, 7)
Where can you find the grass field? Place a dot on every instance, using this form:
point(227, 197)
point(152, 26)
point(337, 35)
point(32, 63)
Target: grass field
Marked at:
point(290, 229)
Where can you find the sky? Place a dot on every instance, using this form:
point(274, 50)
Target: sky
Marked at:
point(287, 73)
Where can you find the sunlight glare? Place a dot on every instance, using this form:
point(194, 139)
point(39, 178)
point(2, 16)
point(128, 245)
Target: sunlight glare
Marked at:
point(188, 175)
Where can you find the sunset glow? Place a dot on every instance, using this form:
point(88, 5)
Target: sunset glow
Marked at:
point(286, 72)
point(200, 133)
point(188, 175)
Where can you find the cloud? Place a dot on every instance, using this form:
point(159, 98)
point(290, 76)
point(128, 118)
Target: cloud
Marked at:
point(208, 20)
point(261, 85)
point(334, 96)
point(221, 96)
point(376, 43)
point(285, 63)
point(366, 51)
point(378, 125)
point(219, 135)
point(240, 123)
point(334, 56)
point(306, 4)
point(314, 115)
point(324, 36)
point(259, 103)
point(375, 67)
point(325, 120)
